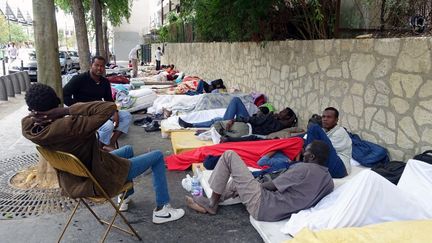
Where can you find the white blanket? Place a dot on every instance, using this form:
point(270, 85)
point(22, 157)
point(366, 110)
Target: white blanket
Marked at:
point(174, 103)
point(369, 198)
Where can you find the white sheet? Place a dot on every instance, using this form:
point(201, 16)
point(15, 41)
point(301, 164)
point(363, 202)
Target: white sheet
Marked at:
point(174, 103)
point(369, 198)
point(171, 123)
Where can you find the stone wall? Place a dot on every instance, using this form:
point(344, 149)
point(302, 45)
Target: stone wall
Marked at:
point(382, 87)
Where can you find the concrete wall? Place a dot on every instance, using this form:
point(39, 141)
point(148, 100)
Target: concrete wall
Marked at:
point(382, 87)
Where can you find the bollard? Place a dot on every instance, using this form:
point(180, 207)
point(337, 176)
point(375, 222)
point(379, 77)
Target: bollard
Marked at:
point(3, 91)
point(16, 85)
point(21, 81)
point(9, 86)
point(27, 80)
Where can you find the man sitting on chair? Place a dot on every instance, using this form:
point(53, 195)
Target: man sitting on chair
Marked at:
point(73, 130)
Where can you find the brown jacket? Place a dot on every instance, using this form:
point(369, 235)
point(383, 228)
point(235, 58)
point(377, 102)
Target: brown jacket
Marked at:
point(75, 134)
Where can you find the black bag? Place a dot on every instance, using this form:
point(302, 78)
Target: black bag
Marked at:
point(426, 156)
point(392, 170)
point(217, 84)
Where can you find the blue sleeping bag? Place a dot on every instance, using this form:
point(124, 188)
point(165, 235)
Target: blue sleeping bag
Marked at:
point(367, 153)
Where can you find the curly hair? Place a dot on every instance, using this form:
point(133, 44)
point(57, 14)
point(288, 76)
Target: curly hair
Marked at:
point(41, 97)
point(321, 150)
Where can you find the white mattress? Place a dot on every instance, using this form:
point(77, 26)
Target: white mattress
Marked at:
point(144, 98)
point(270, 231)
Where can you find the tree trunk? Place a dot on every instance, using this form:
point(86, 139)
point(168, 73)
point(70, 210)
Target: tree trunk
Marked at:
point(97, 13)
point(106, 40)
point(48, 66)
point(81, 34)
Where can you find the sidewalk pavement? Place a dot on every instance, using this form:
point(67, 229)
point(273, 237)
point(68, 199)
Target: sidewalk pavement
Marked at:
point(230, 225)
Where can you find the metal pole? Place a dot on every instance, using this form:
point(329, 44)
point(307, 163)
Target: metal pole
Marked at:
point(22, 65)
point(4, 67)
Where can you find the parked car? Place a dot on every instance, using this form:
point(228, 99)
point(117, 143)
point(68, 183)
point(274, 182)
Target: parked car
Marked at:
point(75, 59)
point(29, 63)
point(65, 62)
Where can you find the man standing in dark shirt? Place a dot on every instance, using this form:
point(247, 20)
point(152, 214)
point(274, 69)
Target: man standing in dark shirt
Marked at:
point(92, 86)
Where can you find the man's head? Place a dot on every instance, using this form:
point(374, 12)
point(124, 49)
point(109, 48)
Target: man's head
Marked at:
point(41, 97)
point(288, 116)
point(316, 152)
point(98, 66)
point(330, 118)
point(158, 48)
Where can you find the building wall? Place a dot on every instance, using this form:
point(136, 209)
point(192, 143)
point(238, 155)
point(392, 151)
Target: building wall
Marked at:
point(129, 34)
point(382, 87)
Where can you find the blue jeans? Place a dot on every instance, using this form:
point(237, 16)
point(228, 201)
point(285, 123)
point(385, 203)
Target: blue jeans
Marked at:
point(334, 163)
point(141, 163)
point(235, 108)
point(106, 130)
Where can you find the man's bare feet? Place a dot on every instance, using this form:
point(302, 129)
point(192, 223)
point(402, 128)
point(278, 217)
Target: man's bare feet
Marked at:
point(193, 205)
point(108, 148)
point(200, 203)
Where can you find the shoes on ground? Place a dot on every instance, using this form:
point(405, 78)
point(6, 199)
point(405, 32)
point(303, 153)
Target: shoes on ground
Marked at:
point(167, 214)
point(153, 127)
point(125, 205)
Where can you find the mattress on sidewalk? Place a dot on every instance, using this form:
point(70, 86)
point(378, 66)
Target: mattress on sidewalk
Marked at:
point(269, 231)
point(186, 140)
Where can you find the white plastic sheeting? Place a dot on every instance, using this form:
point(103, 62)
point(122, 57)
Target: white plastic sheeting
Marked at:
point(369, 198)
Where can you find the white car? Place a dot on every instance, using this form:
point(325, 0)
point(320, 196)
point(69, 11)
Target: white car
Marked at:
point(65, 62)
point(75, 59)
point(26, 58)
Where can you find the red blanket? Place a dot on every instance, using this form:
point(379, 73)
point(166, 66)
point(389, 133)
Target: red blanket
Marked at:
point(250, 152)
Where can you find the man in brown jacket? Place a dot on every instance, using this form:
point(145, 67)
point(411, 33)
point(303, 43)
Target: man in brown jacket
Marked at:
point(73, 130)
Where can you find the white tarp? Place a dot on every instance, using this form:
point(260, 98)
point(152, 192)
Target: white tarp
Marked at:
point(369, 198)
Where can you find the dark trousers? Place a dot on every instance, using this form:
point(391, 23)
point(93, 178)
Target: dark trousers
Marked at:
point(158, 65)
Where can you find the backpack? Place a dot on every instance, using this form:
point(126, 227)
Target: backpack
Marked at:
point(426, 156)
point(392, 170)
point(367, 153)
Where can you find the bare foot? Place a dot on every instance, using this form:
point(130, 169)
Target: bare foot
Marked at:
point(108, 148)
point(193, 205)
point(205, 203)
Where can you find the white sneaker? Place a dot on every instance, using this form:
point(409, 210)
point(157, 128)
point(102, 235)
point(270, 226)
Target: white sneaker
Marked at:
point(167, 214)
point(125, 205)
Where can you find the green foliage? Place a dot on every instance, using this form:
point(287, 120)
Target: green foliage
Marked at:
point(18, 32)
point(259, 20)
point(116, 10)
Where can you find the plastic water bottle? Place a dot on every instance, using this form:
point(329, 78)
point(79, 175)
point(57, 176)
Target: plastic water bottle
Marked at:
point(196, 187)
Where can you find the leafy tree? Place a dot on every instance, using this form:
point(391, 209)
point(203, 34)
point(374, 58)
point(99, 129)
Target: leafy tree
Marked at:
point(17, 31)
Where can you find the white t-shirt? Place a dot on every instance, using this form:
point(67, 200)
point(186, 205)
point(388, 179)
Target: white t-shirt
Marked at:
point(342, 143)
point(133, 52)
point(13, 52)
point(158, 55)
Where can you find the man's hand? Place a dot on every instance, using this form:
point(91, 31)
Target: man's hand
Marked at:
point(115, 119)
point(46, 117)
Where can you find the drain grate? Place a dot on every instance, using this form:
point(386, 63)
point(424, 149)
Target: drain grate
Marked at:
point(24, 203)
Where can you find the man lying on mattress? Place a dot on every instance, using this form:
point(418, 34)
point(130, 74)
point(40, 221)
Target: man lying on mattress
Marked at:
point(334, 135)
point(261, 123)
point(300, 187)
